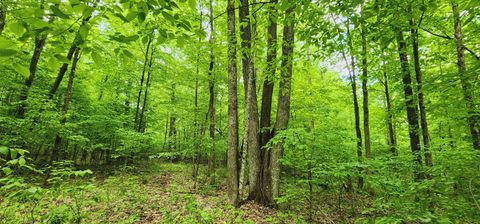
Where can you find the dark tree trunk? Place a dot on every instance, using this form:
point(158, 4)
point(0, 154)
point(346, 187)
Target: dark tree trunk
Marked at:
point(353, 83)
point(411, 107)
point(473, 117)
point(232, 152)
point(142, 79)
point(66, 102)
point(39, 45)
point(421, 104)
point(3, 16)
point(141, 122)
point(366, 126)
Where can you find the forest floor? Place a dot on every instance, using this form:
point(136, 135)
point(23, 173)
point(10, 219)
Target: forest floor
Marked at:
point(154, 192)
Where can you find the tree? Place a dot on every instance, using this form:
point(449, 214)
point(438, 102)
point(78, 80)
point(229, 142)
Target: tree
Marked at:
point(284, 94)
point(232, 152)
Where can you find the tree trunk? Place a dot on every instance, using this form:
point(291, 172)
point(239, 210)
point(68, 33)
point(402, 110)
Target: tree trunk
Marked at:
point(392, 141)
point(211, 103)
point(232, 153)
point(70, 53)
point(284, 93)
point(353, 83)
point(366, 127)
point(421, 104)
point(473, 118)
point(139, 96)
point(411, 107)
point(66, 103)
point(141, 122)
point(39, 45)
point(172, 134)
point(251, 114)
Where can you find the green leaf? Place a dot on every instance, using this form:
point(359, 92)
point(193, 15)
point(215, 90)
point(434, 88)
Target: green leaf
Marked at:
point(7, 170)
point(56, 11)
point(128, 53)
point(4, 150)
point(141, 17)
point(13, 153)
point(22, 161)
point(17, 28)
point(167, 16)
point(22, 70)
point(7, 52)
point(192, 4)
point(97, 58)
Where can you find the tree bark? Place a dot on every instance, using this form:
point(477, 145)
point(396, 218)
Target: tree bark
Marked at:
point(366, 126)
point(232, 153)
point(421, 104)
point(142, 79)
point(411, 107)
point(141, 122)
point(172, 134)
point(66, 103)
point(284, 93)
point(39, 45)
point(3, 17)
point(473, 117)
point(251, 130)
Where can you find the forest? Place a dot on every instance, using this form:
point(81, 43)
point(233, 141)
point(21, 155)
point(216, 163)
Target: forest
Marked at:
point(239, 111)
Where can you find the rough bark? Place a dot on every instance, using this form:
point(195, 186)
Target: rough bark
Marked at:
point(411, 107)
point(142, 80)
point(366, 119)
point(3, 16)
point(39, 45)
point(473, 117)
point(285, 88)
point(421, 104)
point(268, 83)
point(232, 153)
point(66, 103)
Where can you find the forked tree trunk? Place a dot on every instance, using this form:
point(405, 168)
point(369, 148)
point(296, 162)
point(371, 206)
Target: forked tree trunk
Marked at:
point(142, 80)
point(251, 115)
point(141, 122)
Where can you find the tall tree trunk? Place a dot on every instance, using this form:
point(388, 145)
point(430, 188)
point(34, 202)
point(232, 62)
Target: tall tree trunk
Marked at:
point(366, 126)
point(232, 152)
point(66, 103)
point(211, 103)
point(473, 117)
point(284, 93)
point(269, 82)
point(141, 122)
point(251, 140)
point(142, 79)
point(411, 107)
point(392, 140)
point(39, 45)
point(353, 83)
